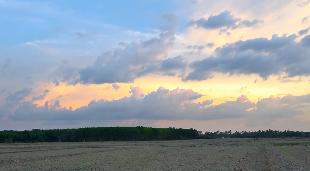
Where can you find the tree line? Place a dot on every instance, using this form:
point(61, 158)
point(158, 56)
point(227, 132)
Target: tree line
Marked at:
point(255, 134)
point(98, 134)
point(138, 133)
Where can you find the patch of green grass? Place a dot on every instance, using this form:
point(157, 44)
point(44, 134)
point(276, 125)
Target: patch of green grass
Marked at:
point(286, 153)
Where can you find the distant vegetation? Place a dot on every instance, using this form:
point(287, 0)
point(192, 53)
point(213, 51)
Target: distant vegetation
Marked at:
point(133, 134)
point(256, 134)
point(98, 134)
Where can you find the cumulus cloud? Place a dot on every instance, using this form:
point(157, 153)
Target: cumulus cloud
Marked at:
point(176, 104)
point(66, 74)
point(136, 92)
point(13, 101)
point(169, 67)
point(295, 100)
point(165, 104)
point(303, 32)
point(260, 56)
point(173, 63)
point(154, 106)
point(17, 97)
point(223, 21)
point(306, 41)
point(269, 109)
point(128, 62)
point(41, 97)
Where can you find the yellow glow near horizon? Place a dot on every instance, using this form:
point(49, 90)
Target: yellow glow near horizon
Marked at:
point(221, 88)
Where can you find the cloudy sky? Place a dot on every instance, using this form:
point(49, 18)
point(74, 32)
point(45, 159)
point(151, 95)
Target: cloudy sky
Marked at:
point(204, 64)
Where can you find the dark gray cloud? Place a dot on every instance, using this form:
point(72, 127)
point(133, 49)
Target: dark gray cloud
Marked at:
point(305, 31)
point(260, 56)
point(126, 63)
point(223, 21)
point(2, 91)
point(115, 86)
point(41, 97)
point(7, 64)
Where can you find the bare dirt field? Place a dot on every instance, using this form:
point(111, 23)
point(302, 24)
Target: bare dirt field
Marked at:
point(220, 154)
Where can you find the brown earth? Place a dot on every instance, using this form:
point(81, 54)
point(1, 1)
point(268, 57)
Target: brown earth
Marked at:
point(220, 154)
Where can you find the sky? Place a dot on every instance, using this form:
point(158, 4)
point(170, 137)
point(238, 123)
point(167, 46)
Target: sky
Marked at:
point(204, 64)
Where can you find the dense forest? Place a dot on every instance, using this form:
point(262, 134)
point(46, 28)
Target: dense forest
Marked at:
point(134, 134)
point(98, 134)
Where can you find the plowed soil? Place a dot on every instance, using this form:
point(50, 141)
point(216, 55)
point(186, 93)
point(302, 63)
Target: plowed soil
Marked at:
point(220, 154)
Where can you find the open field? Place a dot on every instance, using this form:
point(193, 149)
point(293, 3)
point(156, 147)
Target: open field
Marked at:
point(220, 154)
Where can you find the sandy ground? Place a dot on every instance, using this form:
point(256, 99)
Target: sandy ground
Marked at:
point(220, 154)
